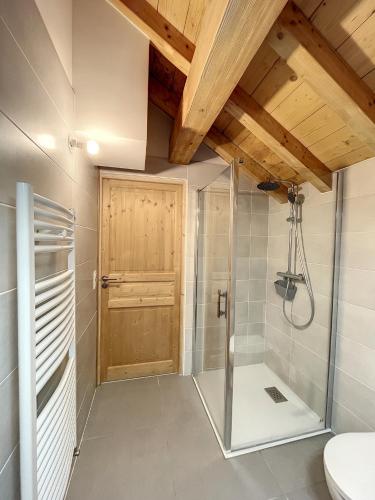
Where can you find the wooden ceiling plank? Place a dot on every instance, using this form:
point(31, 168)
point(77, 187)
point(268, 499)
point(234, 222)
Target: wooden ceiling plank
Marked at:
point(163, 35)
point(269, 160)
point(299, 105)
point(369, 79)
point(277, 85)
point(223, 120)
point(174, 12)
point(338, 143)
point(215, 140)
point(338, 20)
point(318, 126)
point(258, 68)
point(348, 159)
point(258, 151)
point(193, 18)
point(162, 97)
point(296, 40)
point(309, 7)
point(236, 132)
point(358, 50)
point(219, 143)
point(230, 36)
point(278, 139)
point(154, 3)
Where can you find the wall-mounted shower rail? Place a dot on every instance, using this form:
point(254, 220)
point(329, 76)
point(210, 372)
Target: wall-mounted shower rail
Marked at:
point(46, 346)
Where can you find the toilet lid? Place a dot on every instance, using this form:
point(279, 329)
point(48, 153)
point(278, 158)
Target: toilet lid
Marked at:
point(350, 461)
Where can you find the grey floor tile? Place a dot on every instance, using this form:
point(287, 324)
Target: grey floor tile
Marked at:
point(298, 464)
point(151, 439)
point(101, 470)
point(180, 400)
point(122, 407)
point(315, 492)
point(149, 466)
point(244, 477)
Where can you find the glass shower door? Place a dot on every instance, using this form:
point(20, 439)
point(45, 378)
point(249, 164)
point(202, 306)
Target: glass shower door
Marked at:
point(213, 299)
point(263, 361)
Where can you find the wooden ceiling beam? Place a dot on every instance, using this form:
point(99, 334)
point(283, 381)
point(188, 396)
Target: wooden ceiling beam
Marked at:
point(229, 37)
point(179, 51)
point(215, 140)
point(227, 150)
point(162, 34)
point(287, 147)
point(307, 52)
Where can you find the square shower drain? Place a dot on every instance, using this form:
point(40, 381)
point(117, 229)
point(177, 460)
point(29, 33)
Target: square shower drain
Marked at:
point(275, 394)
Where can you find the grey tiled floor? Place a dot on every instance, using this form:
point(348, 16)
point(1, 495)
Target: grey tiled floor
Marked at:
point(150, 439)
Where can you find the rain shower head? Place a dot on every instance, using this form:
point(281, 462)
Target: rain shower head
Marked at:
point(273, 184)
point(268, 185)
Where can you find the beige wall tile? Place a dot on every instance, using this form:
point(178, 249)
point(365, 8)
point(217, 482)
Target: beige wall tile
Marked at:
point(355, 397)
point(9, 416)
point(27, 104)
point(356, 323)
point(84, 273)
point(8, 333)
point(8, 276)
point(26, 25)
point(357, 287)
point(346, 421)
point(360, 180)
point(22, 160)
point(358, 249)
point(259, 203)
point(85, 311)
point(10, 477)
point(86, 244)
point(357, 360)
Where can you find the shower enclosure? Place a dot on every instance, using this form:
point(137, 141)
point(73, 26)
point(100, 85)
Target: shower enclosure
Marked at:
point(265, 307)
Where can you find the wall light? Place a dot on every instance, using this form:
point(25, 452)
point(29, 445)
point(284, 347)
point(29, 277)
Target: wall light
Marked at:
point(74, 143)
point(92, 147)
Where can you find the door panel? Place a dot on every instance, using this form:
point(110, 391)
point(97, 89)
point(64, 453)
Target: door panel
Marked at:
point(141, 263)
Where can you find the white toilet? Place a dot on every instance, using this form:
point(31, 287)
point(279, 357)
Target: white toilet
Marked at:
point(349, 463)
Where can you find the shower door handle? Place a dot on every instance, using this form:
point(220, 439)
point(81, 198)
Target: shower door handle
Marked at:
point(221, 295)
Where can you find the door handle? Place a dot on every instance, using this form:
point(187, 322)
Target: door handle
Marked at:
point(222, 295)
point(106, 280)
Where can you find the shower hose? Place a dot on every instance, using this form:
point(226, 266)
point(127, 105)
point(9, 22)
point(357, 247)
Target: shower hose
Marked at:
point(299, 248)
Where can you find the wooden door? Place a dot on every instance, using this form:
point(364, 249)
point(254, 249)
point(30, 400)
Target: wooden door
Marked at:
point(141, 264)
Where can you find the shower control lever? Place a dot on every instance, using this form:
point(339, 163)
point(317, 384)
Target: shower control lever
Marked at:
point(221, 295)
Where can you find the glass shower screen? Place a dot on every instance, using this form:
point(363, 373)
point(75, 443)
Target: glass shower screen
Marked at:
point(213, 298)
point(262, 378)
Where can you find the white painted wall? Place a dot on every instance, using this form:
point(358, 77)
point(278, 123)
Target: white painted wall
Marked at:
point(57, 16)
point(110, 79)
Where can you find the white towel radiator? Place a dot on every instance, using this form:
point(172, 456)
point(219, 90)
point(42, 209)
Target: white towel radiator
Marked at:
point(46, 347)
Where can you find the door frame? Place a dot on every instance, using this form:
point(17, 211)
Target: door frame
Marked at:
point(105, 173)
